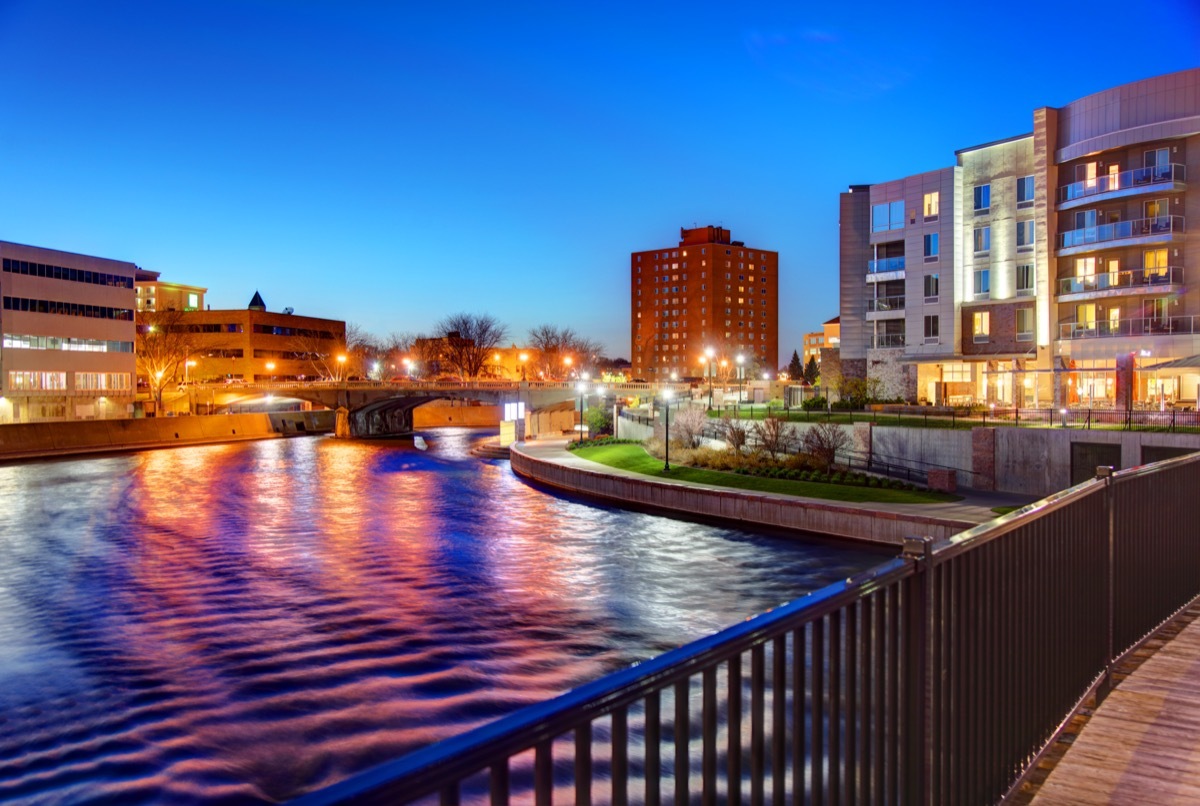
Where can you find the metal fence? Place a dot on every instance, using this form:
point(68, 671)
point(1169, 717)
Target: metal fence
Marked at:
point(937, 677)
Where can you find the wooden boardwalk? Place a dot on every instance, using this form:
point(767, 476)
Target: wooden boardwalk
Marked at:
point(1142, 745)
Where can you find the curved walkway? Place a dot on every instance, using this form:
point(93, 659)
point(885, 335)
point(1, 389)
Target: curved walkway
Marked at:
point(774, 509)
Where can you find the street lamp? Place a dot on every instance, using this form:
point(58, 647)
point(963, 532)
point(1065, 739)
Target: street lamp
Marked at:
point(710, 354)
point(186, 365)
point(667, 394)
point(567, 362)
point(271, 369)
point(582, 387)
point(341, 359)
point(741, 370)
point(524, 358)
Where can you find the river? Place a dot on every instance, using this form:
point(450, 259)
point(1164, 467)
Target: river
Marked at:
point(243, 623)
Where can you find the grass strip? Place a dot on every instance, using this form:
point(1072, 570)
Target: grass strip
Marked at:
point(634, 458)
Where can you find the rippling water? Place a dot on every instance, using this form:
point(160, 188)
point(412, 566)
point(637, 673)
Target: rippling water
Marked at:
point(244, 623)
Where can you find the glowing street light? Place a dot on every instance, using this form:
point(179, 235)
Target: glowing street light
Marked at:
point(667, 395)
point(567, 361)
point(582, 387)
point(741, 371)
point(524, 357)
point(271, 369)
point(341, 359)
point(710, 367)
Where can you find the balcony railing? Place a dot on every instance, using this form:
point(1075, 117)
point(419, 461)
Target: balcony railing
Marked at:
point(1146, 326)
point(888, 340)
point(879, 304)
point(1135, 279)
point(1126, 179)
point(885, 264)
point(1134, 228)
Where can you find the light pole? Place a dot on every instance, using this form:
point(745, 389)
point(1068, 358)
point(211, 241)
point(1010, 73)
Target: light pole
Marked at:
point(582, 387)
point(341, 360)
point(667, 431)
point(710, 354)
point(187, 388)
point(271, 369)
point(567, 361)
point(524, 357)
point(741, 371)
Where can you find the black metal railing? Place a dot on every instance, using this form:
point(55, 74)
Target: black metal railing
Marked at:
point(935, 678)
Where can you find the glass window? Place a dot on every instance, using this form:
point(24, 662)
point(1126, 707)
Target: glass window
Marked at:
point(896, 215)
point(983, 197)
point(887, 216)
point(983, 283)
point(1155, 209)
point(1024, 190)
point(931, 328)
point(1024, 324)
point(983, 239)
point(931, 287)
point(1025, 278)
point(981, 325)
point(931, 204)
point(931, 245)
point(1025, 234)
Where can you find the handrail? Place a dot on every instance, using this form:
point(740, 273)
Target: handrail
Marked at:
point(419, 773)
point(1137, 177)
point(1118, 230)
point(1133, 278)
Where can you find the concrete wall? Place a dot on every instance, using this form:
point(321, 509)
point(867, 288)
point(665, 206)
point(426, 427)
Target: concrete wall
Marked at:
point(747, 510)
point(92, 436)
point(446, 412)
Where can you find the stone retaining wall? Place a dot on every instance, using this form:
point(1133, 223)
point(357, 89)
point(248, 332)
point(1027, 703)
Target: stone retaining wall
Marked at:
point(744, 509)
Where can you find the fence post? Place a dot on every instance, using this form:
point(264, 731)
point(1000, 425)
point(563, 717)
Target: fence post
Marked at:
point(1106, 683)
point(922, 683)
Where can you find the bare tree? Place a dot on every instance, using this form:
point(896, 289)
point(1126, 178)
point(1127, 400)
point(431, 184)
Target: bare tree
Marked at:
point(734, 432)
point(689, 422)
point(774, 436)
point(163, 344)
point(470, 339)
point(557, 344)
point(823, 441)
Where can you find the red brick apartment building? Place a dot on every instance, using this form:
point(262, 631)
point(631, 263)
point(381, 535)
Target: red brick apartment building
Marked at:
point(708, 291)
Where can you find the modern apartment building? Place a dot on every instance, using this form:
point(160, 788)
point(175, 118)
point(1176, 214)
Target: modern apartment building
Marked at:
point(706, 292)
point(68, 334)
point(1050, 268)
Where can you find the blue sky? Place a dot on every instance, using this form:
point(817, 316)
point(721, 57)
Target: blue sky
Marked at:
point(389, 163)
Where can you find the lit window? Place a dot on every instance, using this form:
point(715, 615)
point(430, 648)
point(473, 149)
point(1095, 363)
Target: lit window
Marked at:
point(981, 326)
point(931, 205)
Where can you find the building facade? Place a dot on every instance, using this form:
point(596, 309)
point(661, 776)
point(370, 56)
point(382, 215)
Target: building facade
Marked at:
point(1050, 268)
point(154, 294)
point(68, 335)
point(259, 345)
point(708, 292)
point(829, 336)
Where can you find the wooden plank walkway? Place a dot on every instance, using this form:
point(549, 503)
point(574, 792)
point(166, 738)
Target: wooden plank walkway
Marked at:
point(1142, 745)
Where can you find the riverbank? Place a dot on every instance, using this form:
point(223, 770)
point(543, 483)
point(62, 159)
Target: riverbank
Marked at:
point(84, 437)
point(881, 524)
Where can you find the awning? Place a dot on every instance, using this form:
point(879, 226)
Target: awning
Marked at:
point(1191, 362)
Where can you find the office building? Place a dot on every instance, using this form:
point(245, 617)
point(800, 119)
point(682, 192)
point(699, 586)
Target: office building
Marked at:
point(706, 292)
point(1050, 268)
point(154, 294)
point(68, 333)
point(829, 336)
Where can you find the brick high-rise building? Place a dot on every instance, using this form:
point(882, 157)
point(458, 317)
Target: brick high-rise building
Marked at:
point(706, 292)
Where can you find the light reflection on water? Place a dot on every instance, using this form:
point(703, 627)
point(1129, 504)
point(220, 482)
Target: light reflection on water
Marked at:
point(243, 623)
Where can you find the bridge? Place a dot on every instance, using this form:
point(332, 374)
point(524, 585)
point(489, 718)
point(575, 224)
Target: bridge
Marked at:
point(385, 408)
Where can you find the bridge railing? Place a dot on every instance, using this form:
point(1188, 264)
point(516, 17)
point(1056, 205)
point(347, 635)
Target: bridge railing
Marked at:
point(937, 677)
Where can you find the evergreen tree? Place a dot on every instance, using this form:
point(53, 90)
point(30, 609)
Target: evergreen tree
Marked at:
point(812, 372)
point(795, 369)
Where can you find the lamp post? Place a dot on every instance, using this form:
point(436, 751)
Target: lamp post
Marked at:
point(710, 354)
point(271, 369)
point(186, 365)
point(582, 387)
point(741, 371)
point(567, 361)
point(523, 358)
point(667, 393)
point(341, 361)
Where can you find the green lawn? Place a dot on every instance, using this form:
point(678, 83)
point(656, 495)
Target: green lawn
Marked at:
point(1004, 510)
point(635, 458)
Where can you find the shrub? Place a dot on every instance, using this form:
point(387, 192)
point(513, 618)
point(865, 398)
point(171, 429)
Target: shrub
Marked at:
point(774, 435)
point(814, 403)
point(823, 441)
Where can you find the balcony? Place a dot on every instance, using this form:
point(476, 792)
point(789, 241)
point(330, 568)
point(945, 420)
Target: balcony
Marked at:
point(886, 264)
point(1112, 329)
point(888, 340)
point(1127, 183)
point(1121, 283)
point(882, 307)
point(1120, 233)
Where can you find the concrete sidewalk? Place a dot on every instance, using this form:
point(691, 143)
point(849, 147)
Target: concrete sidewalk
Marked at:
point(974, 508)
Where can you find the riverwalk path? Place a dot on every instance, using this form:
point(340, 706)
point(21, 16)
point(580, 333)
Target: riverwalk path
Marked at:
point(1140, 745)
point(974, 508)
